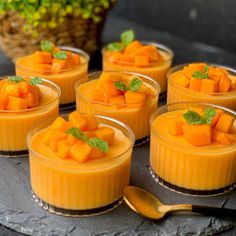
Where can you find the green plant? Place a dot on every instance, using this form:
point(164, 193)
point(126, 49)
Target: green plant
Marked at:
point(51, 13)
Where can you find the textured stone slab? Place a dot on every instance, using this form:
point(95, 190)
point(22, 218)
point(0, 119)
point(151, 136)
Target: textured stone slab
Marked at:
point(19, 212)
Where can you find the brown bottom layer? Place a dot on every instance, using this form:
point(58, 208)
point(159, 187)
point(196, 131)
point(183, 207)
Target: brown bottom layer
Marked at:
point(192, 192)
point(75, 213)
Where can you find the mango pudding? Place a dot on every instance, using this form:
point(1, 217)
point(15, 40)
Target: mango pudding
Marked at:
point(149, 58)
point(200, 82)
point(80, 166)
point(24, 102)
point(65, 66)
point(124, 96)
point(193, 148)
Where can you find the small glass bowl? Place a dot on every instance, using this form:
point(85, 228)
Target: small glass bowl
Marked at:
point(15, 124)
point(66, 187)
point(187, 169)
point(177, 94)
point(136, 118)
point(156, 71)
point(66, 79)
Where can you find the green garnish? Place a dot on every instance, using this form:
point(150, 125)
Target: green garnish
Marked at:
point(121, 86)
point(77, 133)
point(115, 46)
point(193, 118)
point(201, 75)
point(127, 37)
point(94, 142)
point(135, 84)
point(98, 143)
point(36, 81)
point(46, 46)
point(15, 79)
point(209, 114)
point(61, 55)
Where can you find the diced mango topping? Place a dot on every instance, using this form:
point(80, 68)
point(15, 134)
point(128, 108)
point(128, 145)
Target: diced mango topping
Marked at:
point(17, 93)
point(80, 138)
point(122, 91)
point(133, 52)
point(201, 126)
point(206, 79)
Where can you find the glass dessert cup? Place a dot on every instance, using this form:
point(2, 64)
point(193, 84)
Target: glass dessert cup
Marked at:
point(179, 166)
point(156, 71)
point(69, 188)
point(177, 93)
point(15, 124)
point(136, 118)
point(66, 79)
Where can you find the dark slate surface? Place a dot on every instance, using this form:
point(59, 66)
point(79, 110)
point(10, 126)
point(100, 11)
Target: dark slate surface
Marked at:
point(19, 212)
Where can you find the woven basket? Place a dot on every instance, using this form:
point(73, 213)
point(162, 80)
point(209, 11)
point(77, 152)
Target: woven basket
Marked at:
point(74, 31)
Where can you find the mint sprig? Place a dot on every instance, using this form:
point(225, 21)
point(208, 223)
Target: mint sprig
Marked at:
point(61, 55)
point(127, 37)
point(193, 118)
point(115, 46)
point(46, 46)
point(98, 143)
point(135, 84)
point(201, 75)
point(15, 79)
point(35, 81)
point(121, 86)
point(93, 142)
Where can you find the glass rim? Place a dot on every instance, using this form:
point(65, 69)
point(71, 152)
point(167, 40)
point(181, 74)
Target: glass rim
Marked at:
point(33, 131)
point(55, 87)
point(159, 46)
point(84, 54)
point(163, 108)
point(194, 92)
point(148, 78)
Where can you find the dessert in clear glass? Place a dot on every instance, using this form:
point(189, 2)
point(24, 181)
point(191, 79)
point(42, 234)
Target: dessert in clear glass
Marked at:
point(24, 102)
point(79, 166)
point(193, 148)
point(202, 82)
point(65, 66)
point(125, 96)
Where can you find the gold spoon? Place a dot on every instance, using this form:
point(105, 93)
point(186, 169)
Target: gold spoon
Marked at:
point(147, 205)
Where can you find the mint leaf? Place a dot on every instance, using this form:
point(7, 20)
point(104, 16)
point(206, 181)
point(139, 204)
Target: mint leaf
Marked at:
point(201, 75)
point(46, 46)
point(61, 55)
point(115, 46)
point(98, 143)
point(209, 114)
point(121, 85)
point(135, 84)
point(36, 80)
point(193, 118)
point(206, 69)
point(77, 133)
point(15, 79)
point(127, 37)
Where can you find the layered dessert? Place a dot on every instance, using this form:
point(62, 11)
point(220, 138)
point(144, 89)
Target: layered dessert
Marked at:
point(151, 59)
point(24, 102)
point(64, 66)
point(80, 165)
point(193, 148)
point(124, 96)
point(201, 82)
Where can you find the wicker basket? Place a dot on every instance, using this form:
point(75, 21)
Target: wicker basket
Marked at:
point(74, 31)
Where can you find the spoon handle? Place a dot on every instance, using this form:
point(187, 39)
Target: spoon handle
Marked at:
point(217, 211)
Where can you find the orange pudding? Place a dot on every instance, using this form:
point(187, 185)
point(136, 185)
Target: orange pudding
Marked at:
point(147, 58)
point(22, 107)
point(79, 183)
point(100, 96)
point(185, 83)
point(196, 159)
point(64, 72)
